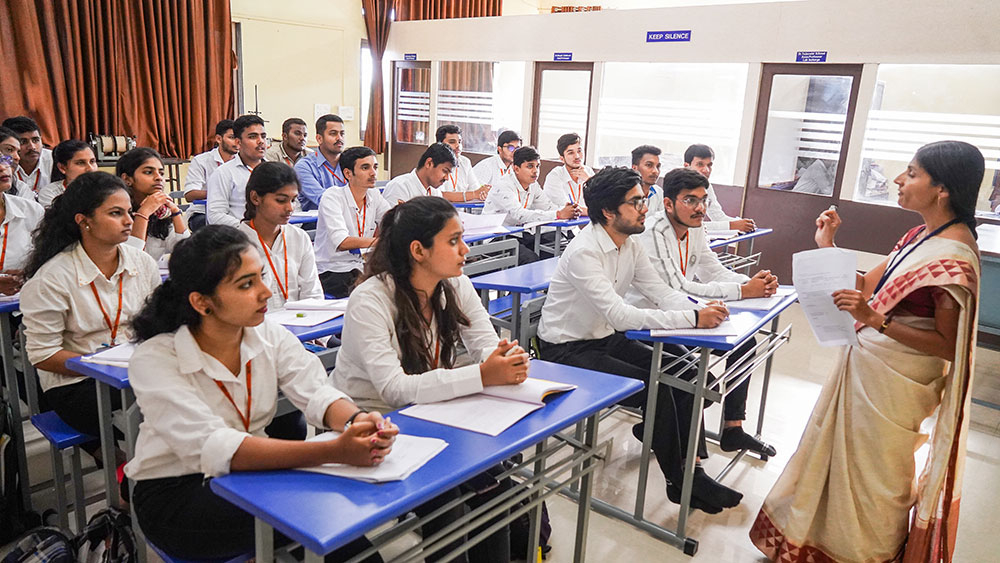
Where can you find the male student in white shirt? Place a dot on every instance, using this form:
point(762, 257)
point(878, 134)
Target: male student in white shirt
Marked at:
point(202, 167)
point(585, 316)
point(35, 166)
point(646, 161)
point(521, 198)
point(679, 251)
point(348, 220)
point(292, 147)
point(227, 197)
point(564, 184)
point(462, 184)
point(700, 158)
point(432, 171)
point(489, 171)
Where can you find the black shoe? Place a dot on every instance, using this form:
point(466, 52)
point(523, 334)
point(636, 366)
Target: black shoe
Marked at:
point(734, 439)
point(713, 492)
point(674, 494)
point(637, 430)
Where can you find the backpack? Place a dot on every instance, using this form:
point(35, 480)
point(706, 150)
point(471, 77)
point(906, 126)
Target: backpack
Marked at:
point(107, 538)
point(42, 545)
point(14, 518)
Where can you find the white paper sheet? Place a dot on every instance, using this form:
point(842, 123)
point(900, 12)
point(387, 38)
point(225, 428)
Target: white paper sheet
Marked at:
point(116, 356)
point(477, 413)
point(531, 390)
point(717, 235)
point(726, 328)
point(816, 275)
point(408, 454)
point(288, 317)
point(316, 304)
point(482, 224)
point(761, 303)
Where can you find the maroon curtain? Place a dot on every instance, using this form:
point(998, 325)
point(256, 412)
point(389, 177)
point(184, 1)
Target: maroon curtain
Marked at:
point(156, 69)
point(377, 23)
point(407, 10)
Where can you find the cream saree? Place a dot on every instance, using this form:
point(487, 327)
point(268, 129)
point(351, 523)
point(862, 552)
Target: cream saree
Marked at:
point(850, 493)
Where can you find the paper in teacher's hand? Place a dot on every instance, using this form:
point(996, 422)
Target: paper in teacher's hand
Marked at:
point(816, 274)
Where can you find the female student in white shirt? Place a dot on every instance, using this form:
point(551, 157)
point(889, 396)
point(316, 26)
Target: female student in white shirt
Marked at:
point(159, 224)
point(70, 158)
point(404, 323)
point(206, 376)
point(84, 286)
point(287, 252)
point(18, 216)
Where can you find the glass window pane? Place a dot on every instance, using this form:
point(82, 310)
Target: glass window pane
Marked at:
point(413, 105)
point(805, 127)
point(366, 85)
point(562, 108)
point(918, 104)
point(483, 98)
point(671, 106)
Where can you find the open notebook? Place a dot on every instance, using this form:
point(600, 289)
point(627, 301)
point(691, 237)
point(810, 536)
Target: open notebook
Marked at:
point(116, 356)
point(494, 410)
point(408, 454)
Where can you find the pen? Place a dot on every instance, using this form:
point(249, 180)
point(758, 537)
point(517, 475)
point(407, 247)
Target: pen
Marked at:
point(693, 300)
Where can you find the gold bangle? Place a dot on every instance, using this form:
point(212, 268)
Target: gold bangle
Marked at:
point(137, 214)
point(885, 324)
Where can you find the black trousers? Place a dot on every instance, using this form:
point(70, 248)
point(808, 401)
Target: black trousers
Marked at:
point(734, 406)
point(76, 404)
point(339, 284)
point(196, 221)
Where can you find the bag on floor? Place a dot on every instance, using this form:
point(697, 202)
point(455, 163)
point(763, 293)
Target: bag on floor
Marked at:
point(108, 538)
point(15, 519)
point(42, 545)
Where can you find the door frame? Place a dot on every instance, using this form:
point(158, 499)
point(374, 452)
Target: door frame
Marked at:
point(404, 151)
point(536, 94)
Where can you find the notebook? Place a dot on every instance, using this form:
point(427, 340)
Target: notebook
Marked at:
point(289, 317)
point(408, 454)
point(761, 303)
point(317, 304)
point(115, 356)
point(494, 410)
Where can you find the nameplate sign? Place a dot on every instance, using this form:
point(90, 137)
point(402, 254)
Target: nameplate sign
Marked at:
point(668, 36)
point(810, 57)
point(562, 56)
point(410, 57)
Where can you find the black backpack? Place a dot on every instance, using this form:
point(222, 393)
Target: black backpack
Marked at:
point(42, 545)
point(14, 517)
point(108, 538)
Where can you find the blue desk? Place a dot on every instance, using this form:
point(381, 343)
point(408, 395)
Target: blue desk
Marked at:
point(472, 239)
point(7, 310)
point(301, 220)
point(468, 205)
point(323, 512)
point(559, 226)
point(703, 387)
point(518, 281)
point(722, 243)
point(734, 261)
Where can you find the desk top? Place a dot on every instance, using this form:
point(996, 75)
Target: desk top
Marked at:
point(752, 319)
point(721, 243)
point(469, 239)
point(10, 306)
point(528, 278)
point(578, 222)
point(115, 376)
point(323, 512)
point(989, 240)
point(322, 330)
point(468, 204)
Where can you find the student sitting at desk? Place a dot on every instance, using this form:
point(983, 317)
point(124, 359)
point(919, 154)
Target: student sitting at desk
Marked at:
point(521, 198)
point(10, 146)
point(18, 217)
point(158, 222)
point(491, 170)
point(405, 321)
point(290, 273)
point(433, 168)
point(700, 158)
point(84, 287)
point(69, 159)
point(585, 316)
point(227, 186)
point(322, 169)
point(462, 184)
point(564, 184)
point(348, 220)
point(646, 161)
point(678, 248)
point(202, 167)
point(206, 376)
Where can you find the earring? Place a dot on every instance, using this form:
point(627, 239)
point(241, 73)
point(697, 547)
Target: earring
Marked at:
point(87, 227)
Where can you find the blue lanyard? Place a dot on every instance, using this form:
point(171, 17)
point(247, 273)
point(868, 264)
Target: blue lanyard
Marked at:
point(894, 263)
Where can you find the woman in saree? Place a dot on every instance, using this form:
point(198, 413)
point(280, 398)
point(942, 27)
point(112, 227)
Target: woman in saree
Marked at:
point(846, 494)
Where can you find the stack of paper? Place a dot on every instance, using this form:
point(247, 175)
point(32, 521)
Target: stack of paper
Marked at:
point(717, 235)
point(115, 356)
point(816, 275)
point(482, 224)
point(408, 454)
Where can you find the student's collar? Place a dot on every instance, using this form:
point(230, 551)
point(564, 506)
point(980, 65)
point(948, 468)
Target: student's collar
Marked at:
point(217, 155)
point(245, 165)
point(87, 271)
point(13, 207)
point(192, 359)
point(604, 240)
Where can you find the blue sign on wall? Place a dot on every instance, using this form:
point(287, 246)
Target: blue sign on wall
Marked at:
point(668, 36)
point(810, 57)
point(562, 56)
point(410, 57)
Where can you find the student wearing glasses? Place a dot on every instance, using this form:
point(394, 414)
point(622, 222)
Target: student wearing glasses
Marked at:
point(490, 171)
point(585, 317)
point(700, 158)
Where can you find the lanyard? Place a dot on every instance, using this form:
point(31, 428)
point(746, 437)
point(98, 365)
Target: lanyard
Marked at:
point(901, 256)
point(334, 174)
point(453, 178)
point(288, 160)
point(245, 418)
point(574, 196)
point(684, 258)
point(118, 316)
point(38, 177)
point(284, 244)
point(517, 191)
point(3, 254)
point(362, 217)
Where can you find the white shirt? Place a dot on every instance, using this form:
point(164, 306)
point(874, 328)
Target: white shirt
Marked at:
point(227, 193)
point(51, 191)
point(158, 247)
point(22, 217)
point(292, 247)
point(585, 299)
point(717, 218)
point(40, 176)
point(406, 187)
point(491, 170)
point(655, 200)
point(189, 426)
point(560, 187)
point(462, 177)
point(339, 218)
point(200, 169)
point(521, 206)
point(60, 312)
point(368, 364)
point(703, 275)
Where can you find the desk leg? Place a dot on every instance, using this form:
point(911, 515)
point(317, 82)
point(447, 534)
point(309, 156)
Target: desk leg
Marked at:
point(14, 399)
point(515, 317)
point(107, 444)
point(647, 435)
point(535, 520)
point(557, 246)
point(586, 489)
point(264, 541)
point(695, 430)
point(764, 385)
point(538, 240)
point(130, 411)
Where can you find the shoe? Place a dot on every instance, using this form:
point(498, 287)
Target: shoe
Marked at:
point(637, 430)
point(734, 439)
point(713, 492)
point(674, 494)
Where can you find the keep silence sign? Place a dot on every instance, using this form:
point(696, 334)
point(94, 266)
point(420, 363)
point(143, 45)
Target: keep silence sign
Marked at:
point(668, 36)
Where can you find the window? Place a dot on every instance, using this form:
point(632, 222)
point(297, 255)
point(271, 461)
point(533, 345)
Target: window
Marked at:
point(366, 85)
point(413, 103)
point(483, 98)
point(918, 104)
point(671, 106)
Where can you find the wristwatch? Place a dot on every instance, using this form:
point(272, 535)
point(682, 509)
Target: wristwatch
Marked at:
point(351, 419)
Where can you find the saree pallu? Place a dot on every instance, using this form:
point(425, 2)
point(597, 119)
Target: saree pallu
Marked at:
point(849, 493)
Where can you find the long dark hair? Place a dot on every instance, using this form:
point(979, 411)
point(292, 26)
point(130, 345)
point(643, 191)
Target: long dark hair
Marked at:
point(198, 263)
point(63, 153)
point(58, 229)
point(127, 164)
point(267, 178)
point(420, 219)
point(958, 167)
